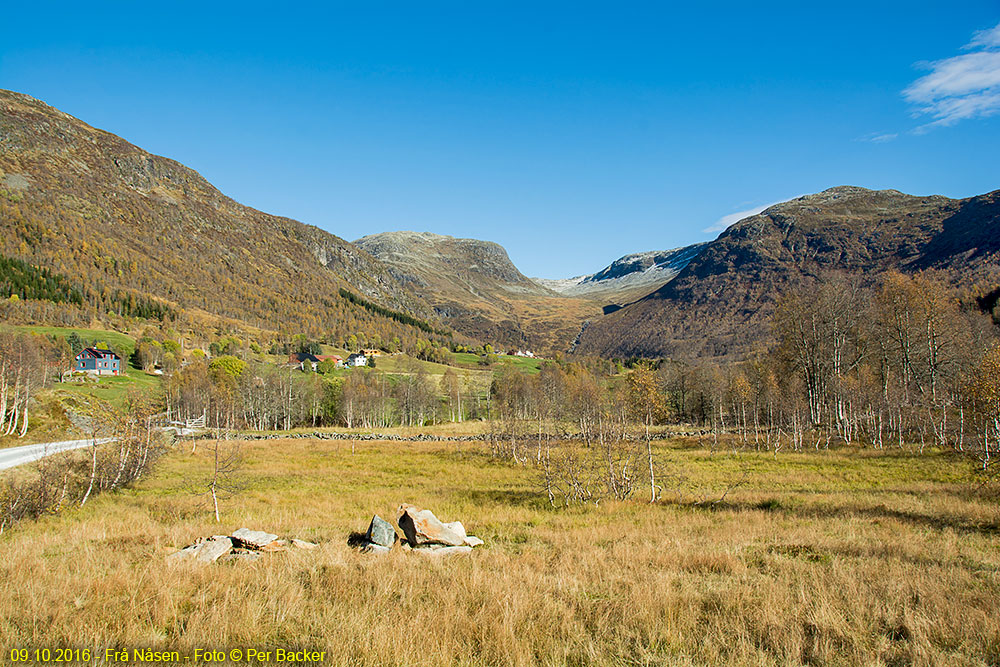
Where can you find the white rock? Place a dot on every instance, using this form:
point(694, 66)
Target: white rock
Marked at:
point(473, 541)
point(212, 549)
point(422, 527)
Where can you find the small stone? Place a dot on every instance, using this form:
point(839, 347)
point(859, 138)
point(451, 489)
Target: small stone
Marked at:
point(473, 541)
point(381, 532)
point(302, 544)
point(253, 539)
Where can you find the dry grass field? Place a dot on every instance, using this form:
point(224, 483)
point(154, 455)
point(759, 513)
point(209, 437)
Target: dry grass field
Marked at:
point(821, 558)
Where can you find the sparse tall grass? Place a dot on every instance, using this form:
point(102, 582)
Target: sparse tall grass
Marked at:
point(824, 558)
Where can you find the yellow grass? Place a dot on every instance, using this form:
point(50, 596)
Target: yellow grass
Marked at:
point(838, 558)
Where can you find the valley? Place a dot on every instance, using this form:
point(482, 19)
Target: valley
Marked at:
point(774, 447)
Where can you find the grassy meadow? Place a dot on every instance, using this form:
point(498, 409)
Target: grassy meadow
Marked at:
point(843, 557)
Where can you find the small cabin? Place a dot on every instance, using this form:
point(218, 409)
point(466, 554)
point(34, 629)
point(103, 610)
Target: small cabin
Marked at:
point(96, 361)
point(357, 359)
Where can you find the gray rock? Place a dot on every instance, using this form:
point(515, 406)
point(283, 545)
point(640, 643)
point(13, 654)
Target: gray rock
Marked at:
point(422, 527)
point(185, 554)
point(253, 539)
point(204, 550)
point(456, 527)
point(381, 532)
point(211, 550)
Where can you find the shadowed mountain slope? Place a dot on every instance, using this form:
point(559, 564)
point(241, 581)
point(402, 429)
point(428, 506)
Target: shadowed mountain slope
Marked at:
point(719, 304)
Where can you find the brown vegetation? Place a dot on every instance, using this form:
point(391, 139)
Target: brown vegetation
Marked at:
point(842, 557)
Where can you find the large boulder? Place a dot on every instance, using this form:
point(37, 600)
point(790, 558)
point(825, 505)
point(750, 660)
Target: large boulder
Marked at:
point(381, 532)
point(421, 527)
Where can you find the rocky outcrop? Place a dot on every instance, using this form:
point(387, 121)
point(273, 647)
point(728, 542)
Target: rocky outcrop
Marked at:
point(424, 533)
point(254, 539)
point(244, 545)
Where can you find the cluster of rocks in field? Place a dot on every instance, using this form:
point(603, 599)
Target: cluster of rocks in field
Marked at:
point(423, 533)
point(243, 545)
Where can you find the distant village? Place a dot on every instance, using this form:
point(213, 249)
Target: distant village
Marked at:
point(101, 362)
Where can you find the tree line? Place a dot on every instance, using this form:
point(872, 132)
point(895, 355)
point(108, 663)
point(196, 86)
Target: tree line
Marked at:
point(901, 363)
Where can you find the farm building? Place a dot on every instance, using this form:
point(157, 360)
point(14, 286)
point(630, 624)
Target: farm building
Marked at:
point(98, 362)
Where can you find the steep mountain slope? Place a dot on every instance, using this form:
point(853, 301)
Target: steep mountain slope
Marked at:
point(719, 304)
point(627, 278)
point(91, 206)
point(475, 288)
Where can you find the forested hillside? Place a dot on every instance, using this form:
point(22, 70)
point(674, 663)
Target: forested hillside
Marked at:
point(140, 235)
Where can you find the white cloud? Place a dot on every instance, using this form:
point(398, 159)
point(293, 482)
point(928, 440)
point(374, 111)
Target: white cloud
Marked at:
point(725, 221)
point(878, 137)
point(960, 87)
point(986, 38)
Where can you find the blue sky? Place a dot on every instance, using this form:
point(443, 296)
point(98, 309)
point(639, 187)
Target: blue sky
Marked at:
point(571, 133)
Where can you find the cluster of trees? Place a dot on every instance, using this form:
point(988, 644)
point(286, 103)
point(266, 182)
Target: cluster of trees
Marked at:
point(125, 444)
point(234, 393)
point(588, 433)
point(895, 362)
point(899, 363)
point(20, 280)
point(21, 374)
point(402, 318)
point(28, 363)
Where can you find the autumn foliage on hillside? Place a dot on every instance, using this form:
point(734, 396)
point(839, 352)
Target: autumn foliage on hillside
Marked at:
point(143, 236)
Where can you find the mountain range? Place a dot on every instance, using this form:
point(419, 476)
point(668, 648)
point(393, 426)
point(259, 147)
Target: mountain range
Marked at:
point(474, 288)
point(122, 225)
point(629, 277)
